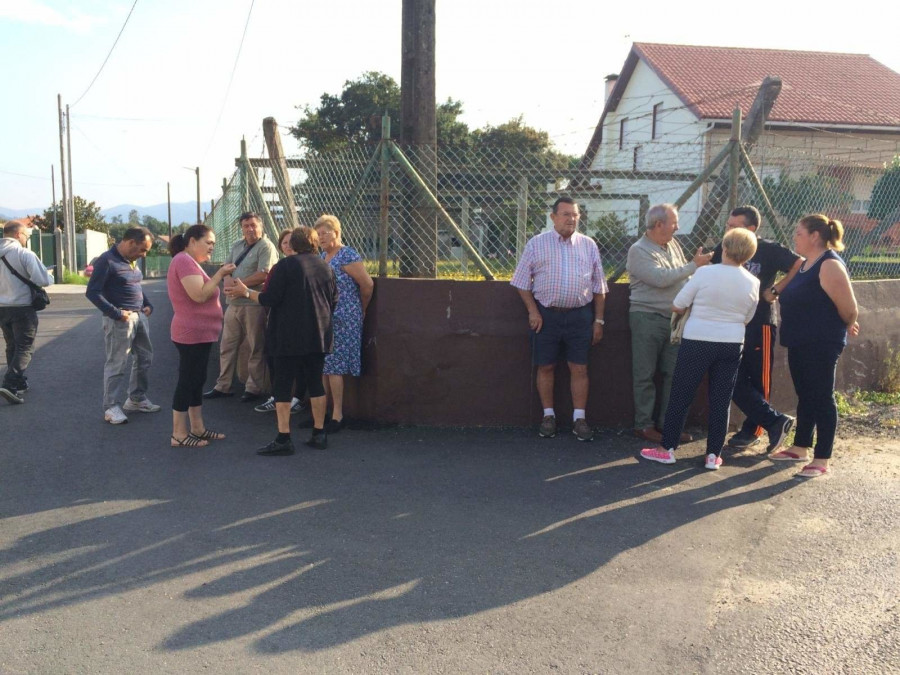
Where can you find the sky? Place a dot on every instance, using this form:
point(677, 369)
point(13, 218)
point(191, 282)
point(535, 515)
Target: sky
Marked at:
point(174, 93)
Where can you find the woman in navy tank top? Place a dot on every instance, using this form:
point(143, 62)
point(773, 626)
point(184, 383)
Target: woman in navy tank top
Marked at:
point(818, 310)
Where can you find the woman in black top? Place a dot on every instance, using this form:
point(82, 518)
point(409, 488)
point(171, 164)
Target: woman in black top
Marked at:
point(818, 311)
point(301, 294)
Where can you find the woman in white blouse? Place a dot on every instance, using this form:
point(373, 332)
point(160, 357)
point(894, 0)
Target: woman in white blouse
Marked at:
point(722, 298)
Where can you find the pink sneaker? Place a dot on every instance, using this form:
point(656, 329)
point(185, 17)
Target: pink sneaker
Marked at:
point(713, 462)
point(661, 456)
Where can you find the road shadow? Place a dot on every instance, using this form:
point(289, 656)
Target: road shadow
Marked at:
point(313, 551)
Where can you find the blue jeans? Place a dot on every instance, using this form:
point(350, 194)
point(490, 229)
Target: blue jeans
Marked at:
point(19, 325)
point(124, 338)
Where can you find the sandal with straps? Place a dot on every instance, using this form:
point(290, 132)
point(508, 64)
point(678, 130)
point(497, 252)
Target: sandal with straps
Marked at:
point(209, 435)
point(189, 441)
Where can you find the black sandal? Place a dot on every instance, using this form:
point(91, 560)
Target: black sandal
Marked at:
point(189, 441)
point(209, 435)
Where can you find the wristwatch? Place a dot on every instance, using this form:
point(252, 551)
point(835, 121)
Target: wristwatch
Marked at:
point(774, 291)
point(247, 294)
point(600, 321)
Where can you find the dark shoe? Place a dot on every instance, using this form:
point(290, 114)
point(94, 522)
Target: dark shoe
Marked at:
point(743, 440)
point(276, 448)
point(11, 395)
point(215, 393)
point(779, 431)
point(248, 396)
point(334, 426)
point(318, 441)
point(649, 434)
point(548, 427)
point(685, 437)
point(582, 430)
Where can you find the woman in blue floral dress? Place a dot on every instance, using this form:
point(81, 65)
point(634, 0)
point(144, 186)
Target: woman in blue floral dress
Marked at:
point(355, 288)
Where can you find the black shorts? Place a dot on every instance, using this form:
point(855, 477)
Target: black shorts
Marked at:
point(564, 334)
point(306, 370)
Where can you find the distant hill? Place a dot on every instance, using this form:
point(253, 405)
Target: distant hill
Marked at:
point(182, 212)
point(12, 214)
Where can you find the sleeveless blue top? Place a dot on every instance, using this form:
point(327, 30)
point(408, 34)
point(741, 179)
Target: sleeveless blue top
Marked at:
point(807, 313)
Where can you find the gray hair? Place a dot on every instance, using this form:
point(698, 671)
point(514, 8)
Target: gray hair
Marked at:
point(659, 213)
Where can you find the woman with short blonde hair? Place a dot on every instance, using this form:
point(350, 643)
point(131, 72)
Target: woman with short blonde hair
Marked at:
point(355, 286)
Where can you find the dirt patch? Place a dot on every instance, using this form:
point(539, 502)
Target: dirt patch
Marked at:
point(867, 419)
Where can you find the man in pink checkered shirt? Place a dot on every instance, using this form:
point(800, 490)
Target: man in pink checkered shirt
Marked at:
point(561, 281)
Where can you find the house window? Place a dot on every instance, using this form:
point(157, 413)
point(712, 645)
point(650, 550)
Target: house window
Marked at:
point(622, 132)
point(860, 206)
point(654, 132)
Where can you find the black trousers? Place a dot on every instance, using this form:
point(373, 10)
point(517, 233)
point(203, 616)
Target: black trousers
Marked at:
point(812, 370)
point(305, 370)
point(193, 363)
point(753, 386)
point(696, 359)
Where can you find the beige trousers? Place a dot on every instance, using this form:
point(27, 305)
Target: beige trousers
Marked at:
point(243, 333)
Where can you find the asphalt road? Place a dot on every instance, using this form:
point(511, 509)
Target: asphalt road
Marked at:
point(414, 550)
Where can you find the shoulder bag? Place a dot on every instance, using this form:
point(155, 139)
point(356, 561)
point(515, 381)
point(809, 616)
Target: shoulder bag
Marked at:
point(39, 297)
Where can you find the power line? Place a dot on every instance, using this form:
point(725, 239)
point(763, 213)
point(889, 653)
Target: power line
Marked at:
point(230, 80)
point(108, 55)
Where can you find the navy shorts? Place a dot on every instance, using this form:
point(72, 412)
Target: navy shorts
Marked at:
point(564, 334)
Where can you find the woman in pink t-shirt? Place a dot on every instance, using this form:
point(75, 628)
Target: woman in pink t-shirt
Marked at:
point(195, 327)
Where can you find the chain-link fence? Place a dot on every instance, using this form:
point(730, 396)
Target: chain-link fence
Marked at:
point(467, 214)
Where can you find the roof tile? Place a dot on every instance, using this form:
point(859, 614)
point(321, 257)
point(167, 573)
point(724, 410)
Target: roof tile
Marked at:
point(817, 87)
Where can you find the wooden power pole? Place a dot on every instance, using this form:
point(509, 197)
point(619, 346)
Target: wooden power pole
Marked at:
point(280, 171)
point(418, 252)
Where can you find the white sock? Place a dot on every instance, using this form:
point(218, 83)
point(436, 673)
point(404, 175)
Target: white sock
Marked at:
point(578, 414)
point(549, 411)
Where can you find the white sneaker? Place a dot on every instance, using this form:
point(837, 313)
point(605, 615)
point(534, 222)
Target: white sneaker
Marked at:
point(713, 462)
point(115, 415)
point(144, 406)
point(268, 406)
point(296, 405)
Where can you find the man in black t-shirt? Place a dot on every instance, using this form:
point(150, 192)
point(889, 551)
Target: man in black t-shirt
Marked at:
point(753, 385)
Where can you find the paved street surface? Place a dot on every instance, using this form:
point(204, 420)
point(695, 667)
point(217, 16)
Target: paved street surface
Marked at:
point(414, 550)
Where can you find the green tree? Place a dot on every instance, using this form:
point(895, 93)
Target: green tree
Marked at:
point(796, 197)
point(157, 227)
point(87, 216)
point(886, 193)
point(353, 117)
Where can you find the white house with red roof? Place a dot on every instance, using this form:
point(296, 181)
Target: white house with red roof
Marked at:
point(669, 112)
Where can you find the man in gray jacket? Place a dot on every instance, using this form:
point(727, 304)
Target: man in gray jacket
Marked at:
point(657, 269)
point(18, 319)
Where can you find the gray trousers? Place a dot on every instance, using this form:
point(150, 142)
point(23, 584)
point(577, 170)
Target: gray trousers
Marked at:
point(651, 351)
point(123, 338)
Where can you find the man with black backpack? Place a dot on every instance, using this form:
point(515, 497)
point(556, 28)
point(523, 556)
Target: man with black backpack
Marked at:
point(20, 268)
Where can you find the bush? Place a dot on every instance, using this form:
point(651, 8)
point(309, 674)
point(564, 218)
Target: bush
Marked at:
point(70, 277)
point(889, 375)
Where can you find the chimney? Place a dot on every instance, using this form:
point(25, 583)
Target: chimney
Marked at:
point(610, 83)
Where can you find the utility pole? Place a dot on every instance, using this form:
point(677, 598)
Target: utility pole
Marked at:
point(70, 231)
point(197, 171)
point(62, 176)
point(169, 203)
point(418, 256)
